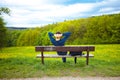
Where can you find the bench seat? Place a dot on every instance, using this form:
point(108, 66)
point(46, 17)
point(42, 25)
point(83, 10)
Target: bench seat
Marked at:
point(59, 56)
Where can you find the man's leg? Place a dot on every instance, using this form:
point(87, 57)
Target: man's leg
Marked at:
point(64, 59)
point(72, 53)
point(62, 53)
point(75, 60)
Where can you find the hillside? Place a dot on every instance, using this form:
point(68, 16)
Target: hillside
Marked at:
point(103, 29)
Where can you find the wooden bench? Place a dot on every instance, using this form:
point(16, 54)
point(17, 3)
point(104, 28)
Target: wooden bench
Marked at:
point(64, 49)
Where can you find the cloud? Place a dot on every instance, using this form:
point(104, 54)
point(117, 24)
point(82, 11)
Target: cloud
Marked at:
point(41, 12)
point(108, 9)
point(109, 6)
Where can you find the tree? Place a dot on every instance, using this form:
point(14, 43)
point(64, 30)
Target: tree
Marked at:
point(4, 10)
point(2, 26)
point(12, 37)
point(2, 33)
point(28, 38)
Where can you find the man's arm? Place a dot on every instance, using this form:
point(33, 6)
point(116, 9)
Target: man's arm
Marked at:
point(51, 37)
point(66, 36)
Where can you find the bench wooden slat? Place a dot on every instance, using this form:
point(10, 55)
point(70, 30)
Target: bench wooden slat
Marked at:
point(59, 56)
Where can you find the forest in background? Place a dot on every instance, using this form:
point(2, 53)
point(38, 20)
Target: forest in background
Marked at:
point(103, 29)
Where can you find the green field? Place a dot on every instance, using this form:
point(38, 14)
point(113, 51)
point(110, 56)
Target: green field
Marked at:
point(21, 62)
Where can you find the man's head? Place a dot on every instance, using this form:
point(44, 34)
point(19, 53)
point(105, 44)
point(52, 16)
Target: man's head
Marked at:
point(58, 36)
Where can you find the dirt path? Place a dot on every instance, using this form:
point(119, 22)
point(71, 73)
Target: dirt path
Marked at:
point(69, 78)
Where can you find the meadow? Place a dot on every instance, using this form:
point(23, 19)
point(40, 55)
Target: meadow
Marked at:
point(21, 62)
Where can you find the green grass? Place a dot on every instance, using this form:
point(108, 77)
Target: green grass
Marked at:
point(21, 62)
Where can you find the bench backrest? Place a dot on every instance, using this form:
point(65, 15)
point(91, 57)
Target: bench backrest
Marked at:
point(65, 48)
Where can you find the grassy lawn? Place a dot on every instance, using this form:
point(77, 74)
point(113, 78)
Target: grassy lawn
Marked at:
point(21, 62)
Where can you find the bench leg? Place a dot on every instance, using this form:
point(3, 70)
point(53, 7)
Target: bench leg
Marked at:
point(75, 60)
point(87, 58)
point(42, 57)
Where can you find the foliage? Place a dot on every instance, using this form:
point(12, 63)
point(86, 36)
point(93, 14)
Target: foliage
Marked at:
point(2, 33)
point(4, 10)
point(12, 37)
point(3, 29)
point(28, 37)
point(103, 29)
point(21, 62)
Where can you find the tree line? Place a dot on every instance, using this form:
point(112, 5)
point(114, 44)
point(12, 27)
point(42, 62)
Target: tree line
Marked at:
point(103, 29)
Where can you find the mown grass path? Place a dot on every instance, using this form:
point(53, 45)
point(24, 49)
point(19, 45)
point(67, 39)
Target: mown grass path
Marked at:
point(67, 78)
point(21, 62)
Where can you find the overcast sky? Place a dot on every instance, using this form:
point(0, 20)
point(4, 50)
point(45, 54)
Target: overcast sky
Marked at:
point(32, 13)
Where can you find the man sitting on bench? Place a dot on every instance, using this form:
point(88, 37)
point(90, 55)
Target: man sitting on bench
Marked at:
point(60, 40)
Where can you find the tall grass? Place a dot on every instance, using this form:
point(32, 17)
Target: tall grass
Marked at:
point(21, 62)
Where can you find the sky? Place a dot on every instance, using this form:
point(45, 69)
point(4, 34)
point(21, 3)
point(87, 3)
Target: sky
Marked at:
point(37, 13)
